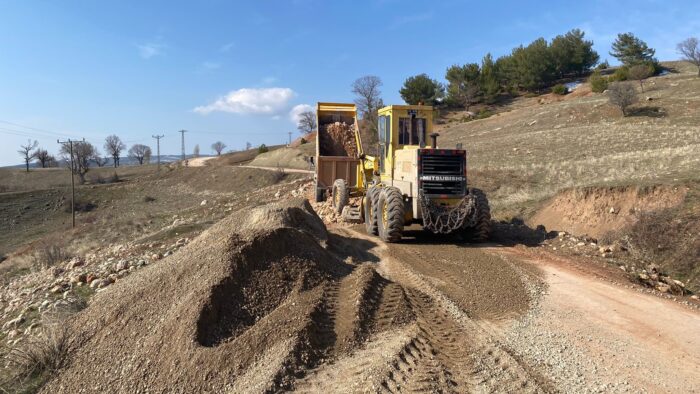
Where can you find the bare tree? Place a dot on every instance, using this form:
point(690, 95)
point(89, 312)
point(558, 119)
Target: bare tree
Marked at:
point(27, 152)
point(83, 152)
point(218, 147)
point(307, 122)
point(139, 152)
point(248, 146)
point(44, 158)
point(98, 159)
point(639, 73)
point(195, 151)
point(690, 49)
point(368, 98)
point(114, 147)
point(622, 95)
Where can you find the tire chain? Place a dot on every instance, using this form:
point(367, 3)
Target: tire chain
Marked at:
point(444, 220)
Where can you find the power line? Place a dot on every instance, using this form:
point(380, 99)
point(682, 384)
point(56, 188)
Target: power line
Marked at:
point(158, 137)
point(23, 133)
point(183, 145)
point(34, 128)
point(70, 142)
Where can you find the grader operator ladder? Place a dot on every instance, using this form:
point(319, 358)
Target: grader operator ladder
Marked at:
point(407, 182)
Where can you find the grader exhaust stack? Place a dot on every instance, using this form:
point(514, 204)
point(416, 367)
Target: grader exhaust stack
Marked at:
point(405, 183)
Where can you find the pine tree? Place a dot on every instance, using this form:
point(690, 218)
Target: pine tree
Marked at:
point(421, 89)
point(630, 50)
point(463, 84)
point(533, 64)
point(572, 54)
point(490, 87)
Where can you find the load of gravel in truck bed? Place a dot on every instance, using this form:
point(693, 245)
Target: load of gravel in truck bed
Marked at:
point(338, 139)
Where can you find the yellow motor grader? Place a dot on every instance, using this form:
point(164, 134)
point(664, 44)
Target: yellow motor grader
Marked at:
point(407, 182)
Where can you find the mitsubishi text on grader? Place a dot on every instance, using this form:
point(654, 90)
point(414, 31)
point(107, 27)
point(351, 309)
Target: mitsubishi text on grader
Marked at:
point(407, 181)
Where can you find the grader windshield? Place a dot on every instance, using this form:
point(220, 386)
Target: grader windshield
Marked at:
point(412, 131)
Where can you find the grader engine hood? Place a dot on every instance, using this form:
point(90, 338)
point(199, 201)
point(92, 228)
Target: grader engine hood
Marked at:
point(442, 173)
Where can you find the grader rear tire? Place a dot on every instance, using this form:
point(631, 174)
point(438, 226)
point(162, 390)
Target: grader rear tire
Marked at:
point(482, 228)
point(371, 200)
point(390, 214)
point(341, 195)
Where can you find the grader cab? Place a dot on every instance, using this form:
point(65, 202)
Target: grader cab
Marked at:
point(407, 182)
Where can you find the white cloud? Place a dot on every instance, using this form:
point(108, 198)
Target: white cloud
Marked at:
point(227, 47)
point(295, 113)
point(265, 101)
point(209, 66)
point(150, 50)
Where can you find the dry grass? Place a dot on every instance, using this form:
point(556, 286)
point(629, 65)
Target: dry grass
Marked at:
point(39, 357)
point(13, 179)
point(48, 254)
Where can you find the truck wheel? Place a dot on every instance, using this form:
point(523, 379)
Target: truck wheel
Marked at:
point(390, 214)
point(482, 227)
point(371, 211)
point(341, 197)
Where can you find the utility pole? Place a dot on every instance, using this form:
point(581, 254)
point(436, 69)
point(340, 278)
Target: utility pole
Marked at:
point(290, 138)
point(158, 137)
point(183, 144)
point(72, 178)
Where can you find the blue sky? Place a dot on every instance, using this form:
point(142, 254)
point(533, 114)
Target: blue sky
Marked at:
point(235, 71)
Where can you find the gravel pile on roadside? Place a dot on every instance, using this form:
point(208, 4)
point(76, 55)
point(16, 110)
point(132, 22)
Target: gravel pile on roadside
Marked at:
point(233, 310)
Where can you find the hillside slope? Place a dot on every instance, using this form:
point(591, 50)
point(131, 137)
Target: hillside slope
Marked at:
point(538, 146)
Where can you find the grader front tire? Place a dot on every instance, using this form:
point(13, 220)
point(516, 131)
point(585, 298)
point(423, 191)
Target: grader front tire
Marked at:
point(390, 214)
point(371, 200)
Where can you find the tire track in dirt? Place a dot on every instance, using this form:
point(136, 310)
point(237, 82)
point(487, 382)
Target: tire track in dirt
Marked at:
point(443, 349)
point(474, 358)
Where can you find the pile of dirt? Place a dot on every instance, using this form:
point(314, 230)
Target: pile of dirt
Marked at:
point(338, 140)
point(254, 304)
point(595, 211)
point(234, 310)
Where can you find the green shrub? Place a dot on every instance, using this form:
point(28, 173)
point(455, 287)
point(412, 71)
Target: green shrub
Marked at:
point(560, 89)
point(303, 141)
point(483, 114)
point(603, 66)
point(621, 74)
point(599, 83)
point(263, 148)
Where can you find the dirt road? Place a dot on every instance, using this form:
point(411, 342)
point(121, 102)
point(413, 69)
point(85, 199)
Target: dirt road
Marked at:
point(510, 319)
point(292, 170)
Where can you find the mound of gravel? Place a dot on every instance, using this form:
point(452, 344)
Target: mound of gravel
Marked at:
point(293, 213)
point(232, 311)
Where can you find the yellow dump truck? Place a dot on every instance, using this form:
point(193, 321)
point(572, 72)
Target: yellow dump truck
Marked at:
point(407, 182)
